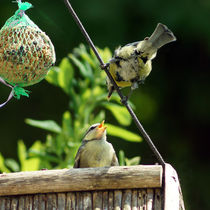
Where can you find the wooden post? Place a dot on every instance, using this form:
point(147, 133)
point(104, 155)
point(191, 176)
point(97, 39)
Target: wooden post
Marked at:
point(119, 187)
point(173, 199)
point(65, 180)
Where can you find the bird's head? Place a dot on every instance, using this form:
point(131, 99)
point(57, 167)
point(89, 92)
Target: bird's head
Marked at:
point(96, 132)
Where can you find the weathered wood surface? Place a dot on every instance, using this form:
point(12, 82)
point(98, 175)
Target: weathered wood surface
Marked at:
point(148, 199)
point(173, 199)
point(86, 179)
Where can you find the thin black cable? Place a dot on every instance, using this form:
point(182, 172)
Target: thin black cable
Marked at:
point(123, 98)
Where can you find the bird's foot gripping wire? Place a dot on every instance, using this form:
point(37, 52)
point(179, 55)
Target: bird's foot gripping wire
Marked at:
point(105, 66)
point(124, 100)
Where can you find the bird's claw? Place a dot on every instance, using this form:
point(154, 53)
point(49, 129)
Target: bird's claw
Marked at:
point(124, 100)
point(104, 66)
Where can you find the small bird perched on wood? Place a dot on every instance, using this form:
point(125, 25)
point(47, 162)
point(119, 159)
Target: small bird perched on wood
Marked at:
point(131, 64)
point(95, 151)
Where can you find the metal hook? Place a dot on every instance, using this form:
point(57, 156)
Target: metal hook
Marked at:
point(11, 93)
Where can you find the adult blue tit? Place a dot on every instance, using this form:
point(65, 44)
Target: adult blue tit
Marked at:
point(132, 63)
point(95, 151)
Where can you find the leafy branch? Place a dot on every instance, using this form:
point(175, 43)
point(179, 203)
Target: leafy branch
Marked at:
point(80, 77)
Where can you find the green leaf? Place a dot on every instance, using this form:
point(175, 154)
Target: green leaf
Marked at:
point(105, 53)
point(49, 125)
point(120, 113)
point(132, 161)
point(65, 74)
point(88, 58)
point(22, 154)
point(12, 164)
point(67, 126)
point(80, 65)
point(37, 146)
point(121, 158)
point(3, 168)
point(28, 164)
point(122, 133)
point(52, 76)
point(33, 163)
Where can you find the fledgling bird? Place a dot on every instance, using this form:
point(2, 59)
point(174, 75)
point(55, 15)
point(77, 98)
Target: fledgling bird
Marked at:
point(95, 151)
point(132, 63)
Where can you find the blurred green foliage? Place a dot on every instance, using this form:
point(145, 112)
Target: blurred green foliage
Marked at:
point(80, 77)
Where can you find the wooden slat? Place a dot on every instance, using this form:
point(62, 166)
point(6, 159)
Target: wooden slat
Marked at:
point(14, 203)
point(142, 199)
point(7, 203)
point(97, 200)
point(79, 201)
point(28, 202)
point(157, 201)
point(42, 201)
point(61, 201)
point(86, 179)
point(87, 200)
point(70, 201)
point(51, 201)
point(105, 200)
point(117, 199)
point(138, 199)
point(126, 200)
point(134, 200)
point(21, 203)
point(150, 195)
point(111, 200)
point(2, 203)
point(36, 202)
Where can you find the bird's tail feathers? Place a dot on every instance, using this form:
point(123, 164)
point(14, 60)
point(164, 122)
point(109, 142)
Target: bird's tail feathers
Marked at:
point(161, 36)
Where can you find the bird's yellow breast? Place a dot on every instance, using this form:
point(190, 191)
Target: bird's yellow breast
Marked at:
point(128, 71)
point(144, 69)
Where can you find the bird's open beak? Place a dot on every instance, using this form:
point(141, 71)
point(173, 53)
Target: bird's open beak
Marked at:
point(100, 130)
point(101, 127)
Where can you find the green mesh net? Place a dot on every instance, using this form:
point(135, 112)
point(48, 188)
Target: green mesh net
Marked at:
point(26, 52)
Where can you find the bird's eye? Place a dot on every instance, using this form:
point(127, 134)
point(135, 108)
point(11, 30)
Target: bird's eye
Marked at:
point(93, 127)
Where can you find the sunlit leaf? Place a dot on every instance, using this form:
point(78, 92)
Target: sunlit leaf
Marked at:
point(121, 158)
point(88, 58)
point(106, 54)
point(67, 124)
point(49, 125)
point(3, 168)
point(22, 154)
point(28, 163)
point(52, 76)
point(65, 74)
point(37, 146)
point(120, 113)
point(132, 161)
point(122, 133)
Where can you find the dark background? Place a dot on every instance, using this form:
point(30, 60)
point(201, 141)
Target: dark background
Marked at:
point(173, 105)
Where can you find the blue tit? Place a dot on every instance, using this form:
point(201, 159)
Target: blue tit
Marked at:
point(132, 63)
point(95, 151)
